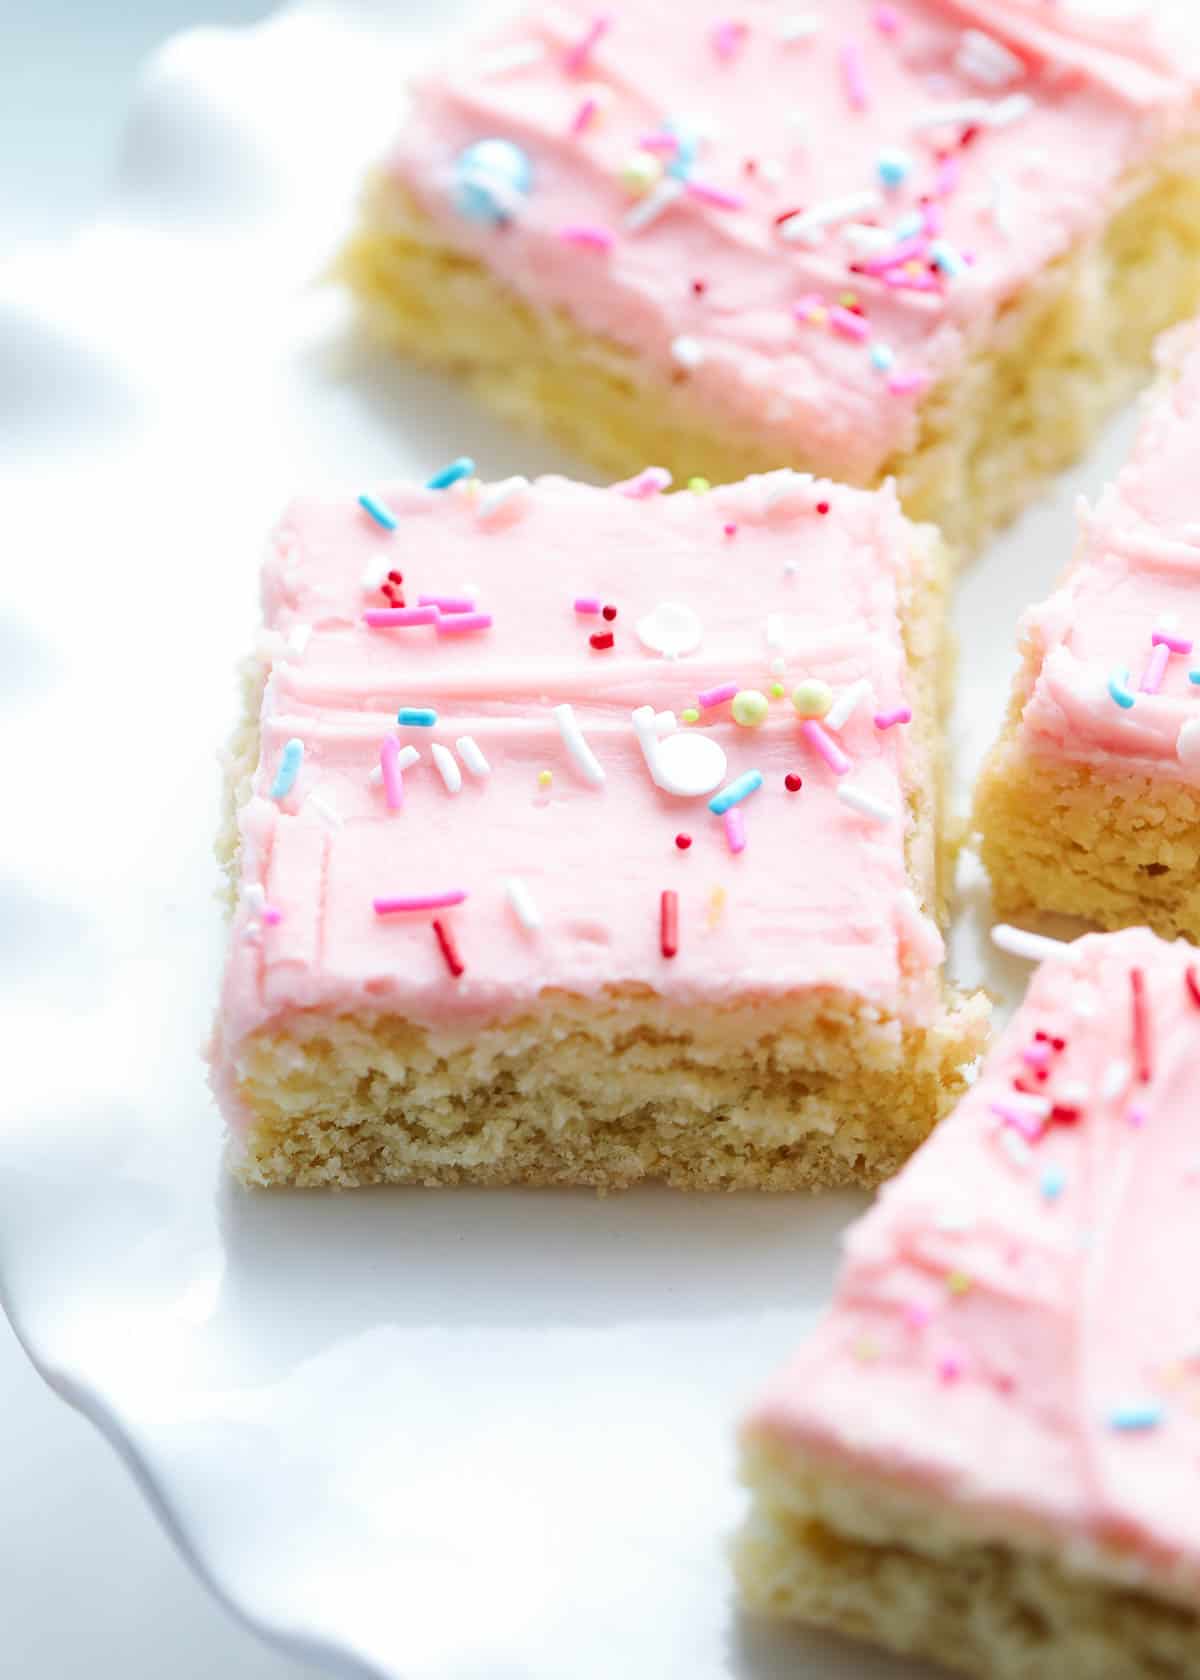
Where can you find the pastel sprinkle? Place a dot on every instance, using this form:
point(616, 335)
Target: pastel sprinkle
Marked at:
point(447, 767)
point(523, 904)
point(588, 234)
point(448, 946)
point(881, 356)
point(400, 904)
point(705, 193)
point(749, 708)
point(587, 603)
point(289, 768)
point(1167, 639)
point(1156, 668)
point(1037, 947)
point(734, 792)
point(506, 497)
point(393, 780)
point(698, 485)
point(399, 618)
point(801, 26)
point(887, 20)
point(649, 482)
point(1136, 1415)
point(463, 467)
point(864, 803)
point(688, 352)
point(735, 829)
point(808, 225)
point(472, 756)
point(825, 745)
point(888, 720)
point(577, 55)
point(460, 623)
point(1194, 676)
point(716, 696)
point(545, 777)
point(1052, 1182)
point(893, 167)
point(271, 915)
point(812, 698)
point(650, 208)
point(907, 384)
point(850, 325)
point(854, 75)
point(958, 1283)
point(380, 514)
point(947, 258)
point(417, 717)
point(447, 603)
point(581, 755)
point(668, 924)
point(1118, 688)
point(689, 714)
point(1141, 1025)
point(727, 38)
point(950, 1367)
point(584, 113)
point(1192, 977)
point(847, 703)
point(324, 809)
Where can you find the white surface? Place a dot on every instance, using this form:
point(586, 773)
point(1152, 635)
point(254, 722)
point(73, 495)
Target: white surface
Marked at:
point(469, 1437)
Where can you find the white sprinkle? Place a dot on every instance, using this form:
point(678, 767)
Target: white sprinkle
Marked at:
point(1074, 1093)
point(1115, 1081)
point(1000, 200)
point(447, 767)
point(1187, 742)
point(515, 57)
point(846, 704)
point(1036, 946)
point(865, 803)
point(471, 753)
point(650, 208)
point(866, 241)
point(687, 351)
point(1039, 1108)
point(327, 813)
point(255, 896)
point(252, 933)
point(1014, 1146)
point(374, 573)
point(984, 59)
point(501, 495)
point(524, 907)
point(965, 111)
point(298, 639)
point(405, 759)
point(807, 226)
point(582, 756)
point(1009, 110)
point(775, 630)
point(954, 1220)
point(770, 170)
point(801, 26)
point(1085, 1003)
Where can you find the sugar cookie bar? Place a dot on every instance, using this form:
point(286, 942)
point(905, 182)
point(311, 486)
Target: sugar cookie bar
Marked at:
point(987, 1451)
point(933, 239)
point(591, 835)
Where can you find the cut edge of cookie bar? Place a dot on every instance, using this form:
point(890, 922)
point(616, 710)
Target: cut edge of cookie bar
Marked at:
point(1053, 365)
point(876, 1560)
point(816, 1092)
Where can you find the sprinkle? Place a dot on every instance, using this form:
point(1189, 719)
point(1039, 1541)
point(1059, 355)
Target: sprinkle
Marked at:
point(289, 768)
point(1114, 1081)
point(847, 703)
point(381, 515)
point(507, 496)
point(393, 781)
point(947, 258)
point(447, 946)
point(727, 38)
point(1016, 1148)
point(950, 1367)
point(812, 698)
point(802, 26)
point(584, 114)
point(271, 915)
point(1141, 1025)
point(1176, 644)
point(523, 905)
point(717, 197)
point(1118, 688)
point(650, 208)
point(463, 467)
point(717, 696)
point(735, 829)
point(395, 906)
point(581, 755)
point(1156, 668)
point(545, 777)
point(986, 112)
point(958, 1283)
point(471, 754)
point(854, 75)
point(1029, 1125)
point(649, 482)
point(447, 767)
point(668, 924)
point(448, 603)
point(825, 745)
point(750, 708)
point(1192, 977)
point(683, 841)
point(587, 233)
point(516, 57)
point(734, 792)
point(1135, 1415)
point(576, 56)
point(417, 717)
point(864, 803)
point(792, 782)
point(1052, 1182)
point(460, 623)
point(602, 640)
point(587, 603)
point(687, 351)
point(850, 325)
point(399, 618)
point(729, 529)
point(689, 714)
point(887, 20)
point(806, 226)
point(1137, 1116)
point(983, 59)
point(822, 508)
point(1035, 946)
point(886, 720)
point(881, 356)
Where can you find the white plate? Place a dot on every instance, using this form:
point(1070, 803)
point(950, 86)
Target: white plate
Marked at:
point(457, 1436)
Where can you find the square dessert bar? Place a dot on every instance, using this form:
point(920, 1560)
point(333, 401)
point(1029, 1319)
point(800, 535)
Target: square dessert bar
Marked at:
point(987, 1452)
point(931, 239)
point(1090, 801)
point(590, 835)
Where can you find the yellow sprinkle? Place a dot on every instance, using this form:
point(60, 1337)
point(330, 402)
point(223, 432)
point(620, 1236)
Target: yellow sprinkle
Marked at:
point(812, 698)
point(749, 708)
point(777, 691)
point(699, 485)
point(848, 299)
point(639, 173)
point(689, 714)
point(545, 777)
point(818, 316)
point(716, 906)
point(866, 1349)
point(958, 1283)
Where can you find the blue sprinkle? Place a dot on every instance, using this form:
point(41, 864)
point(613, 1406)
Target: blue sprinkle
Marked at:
point(893, 166)
point(882, 356)
point(491, 177)
point(381, 515)
point(420, 717)
point(908, 226)
point(1194, 676)
point(289, 769)
point(1053, 1183)
point(1139, 1414)
point(463, 467)
point(687, 145)
point(945, 257)
point(734, 792)
point(1118, 687)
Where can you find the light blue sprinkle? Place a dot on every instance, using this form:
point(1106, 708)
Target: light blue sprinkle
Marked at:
point(947, 258)
point(908, 226)
point(1118, 687)
point(1053, 1183)
point(381, 515)
point(882, 356)
point(463, 467)
point(893, 166)
point(734, 792)
point(289, 768)
point(420, 717)
point(491, 178)
point(687, 145)
point(1138, 1414)
point(1194, 676)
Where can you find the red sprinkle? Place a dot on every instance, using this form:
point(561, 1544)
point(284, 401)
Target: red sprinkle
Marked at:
point(971, 132)
point(822, 507)
point(699, 287)
point(608, 614)
point(668, 923)
point(396, 577)
point(601, 640)
point(1064, 1114)
point(1193, 985)
point(730, 530)
point(449, 948)
point(1141, 1025)
point(683, 841)
point(792, 783)
point(786, 215)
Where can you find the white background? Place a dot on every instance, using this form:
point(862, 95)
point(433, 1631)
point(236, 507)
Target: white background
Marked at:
point(89, 1587)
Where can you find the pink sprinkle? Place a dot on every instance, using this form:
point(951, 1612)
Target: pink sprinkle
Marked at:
point(1177, 644)
point(271, 915)
point(1029, 1125)
point(393, 779)
point(455, 624)
point(947, 178)
point(587, 233)
point(646, 483)
point(447, 603)
point(658, 143)
point(583, 116)
point(727, 38)
point(825, 744)
point(850, 325)
point(1036, 1055)
point(419, 901)
point(887, 20)
point(399, 618)
point(716, 196)
point(931, 217)
point(950, 1367)
point(854, 75)
point(917, 1316)
point(730, 530)
point(804, 307)
point(905, 384)
point(577, 56)
point(885, 720)
point(716, 696)
point(1156, 668)
point(900, 280)
point(903, 252)
point(735, 829)
point(588, 603)
point(1136, 1117)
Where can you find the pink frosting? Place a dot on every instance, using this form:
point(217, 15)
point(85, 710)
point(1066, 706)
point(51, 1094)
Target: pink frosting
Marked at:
point(818, 898)
point(1096, 98)
point(1016, 1324)
point(1136, 572)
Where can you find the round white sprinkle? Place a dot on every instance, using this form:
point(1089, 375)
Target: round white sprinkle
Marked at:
point(670, 629)
point(689, 764)
point(582, 756)
point(687, 351)
point(447, 766)
point(471, 754)
point(524, 907)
